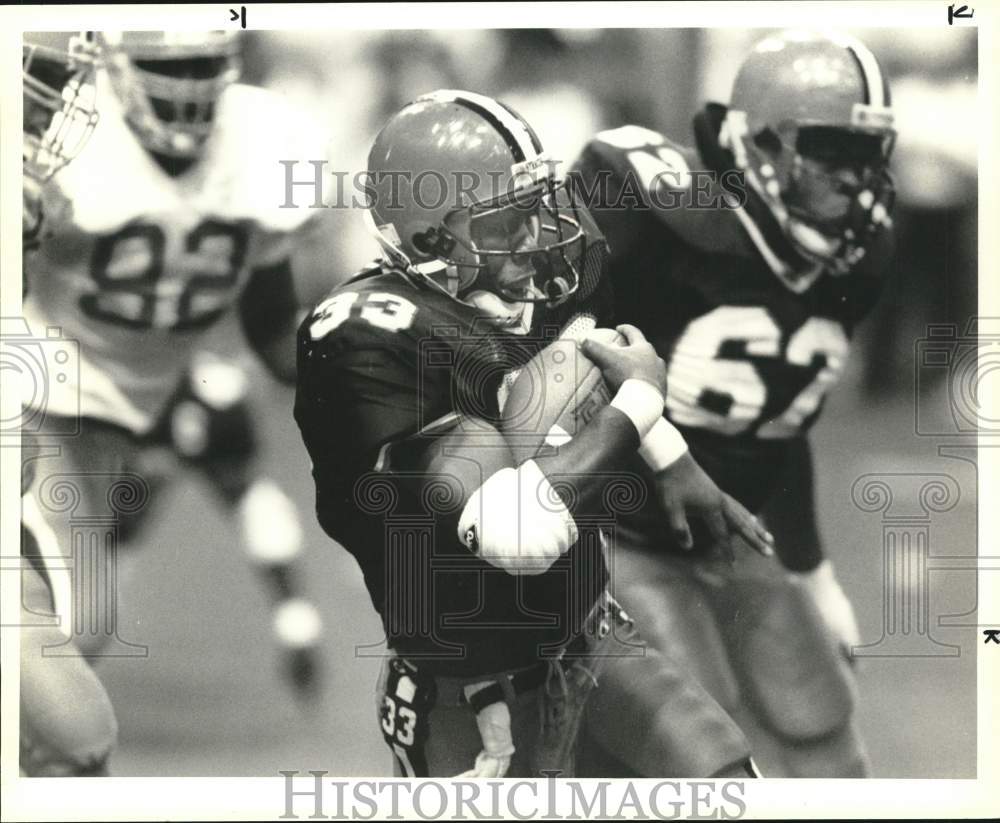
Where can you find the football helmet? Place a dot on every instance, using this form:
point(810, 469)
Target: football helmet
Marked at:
point(59, 113)
point(460, 194)
point(811, 125)
point(59, 99)
point(169, 83)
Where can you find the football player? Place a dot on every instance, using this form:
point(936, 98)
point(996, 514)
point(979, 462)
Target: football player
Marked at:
point(748, 259)
point(67, 723)
point(485, 569)
point(169, 218)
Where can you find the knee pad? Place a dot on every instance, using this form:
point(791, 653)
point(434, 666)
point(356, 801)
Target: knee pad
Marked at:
point(208, 423)
point(795, 679)
point(269, 520)
point(74, 744)
point(210, 419)
point(38, 761)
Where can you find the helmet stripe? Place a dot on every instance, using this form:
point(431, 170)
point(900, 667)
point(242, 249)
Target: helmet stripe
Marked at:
point(519, 138)
point(870, 72)
point(536, 144)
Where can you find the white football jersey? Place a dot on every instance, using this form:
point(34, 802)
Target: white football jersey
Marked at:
point(137, 265)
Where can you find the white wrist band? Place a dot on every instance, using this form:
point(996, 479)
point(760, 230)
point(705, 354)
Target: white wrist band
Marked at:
point(663, 446)
point(641, 403)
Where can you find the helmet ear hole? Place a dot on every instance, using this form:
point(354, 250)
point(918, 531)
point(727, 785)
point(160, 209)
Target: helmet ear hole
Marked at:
point(433, 242)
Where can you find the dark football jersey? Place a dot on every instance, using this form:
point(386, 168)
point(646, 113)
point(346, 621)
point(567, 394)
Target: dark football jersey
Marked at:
point(385, 366)
point(749, 361)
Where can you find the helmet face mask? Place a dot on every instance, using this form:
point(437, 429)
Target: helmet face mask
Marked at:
point(170, 84)
point(820, 174)
point(519, 247)
point(59, 100)
point(59, 95)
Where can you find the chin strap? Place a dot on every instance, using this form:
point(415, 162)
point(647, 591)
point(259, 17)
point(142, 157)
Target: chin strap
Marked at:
point(512, 317)
point(428, 272)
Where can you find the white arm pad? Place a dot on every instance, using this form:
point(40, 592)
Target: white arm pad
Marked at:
point(517, 522)
point(663, 445)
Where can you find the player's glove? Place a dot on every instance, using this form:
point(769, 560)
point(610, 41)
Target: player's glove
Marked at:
point(833, 605)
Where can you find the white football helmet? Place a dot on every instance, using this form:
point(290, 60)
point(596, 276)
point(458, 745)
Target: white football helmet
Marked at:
point(59, 99)
point(60, 113)
point(169, 83)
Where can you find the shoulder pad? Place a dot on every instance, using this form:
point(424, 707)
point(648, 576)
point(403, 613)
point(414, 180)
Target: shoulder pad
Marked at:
point(239, 177)
point(654, 160)
point(381, 309)
point(257, 130)
point(648, 171)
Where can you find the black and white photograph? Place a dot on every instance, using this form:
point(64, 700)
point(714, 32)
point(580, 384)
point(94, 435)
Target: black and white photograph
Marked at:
point(473, 411)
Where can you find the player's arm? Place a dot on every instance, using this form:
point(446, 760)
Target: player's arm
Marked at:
point(522, 522)
point(791, 516)
point(685, 490)
point(270, 313)
point(522, 517)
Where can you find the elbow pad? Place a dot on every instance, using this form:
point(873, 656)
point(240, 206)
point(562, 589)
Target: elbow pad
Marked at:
point(517, 522)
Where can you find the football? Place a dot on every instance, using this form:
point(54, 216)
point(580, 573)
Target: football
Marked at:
point(554, 396)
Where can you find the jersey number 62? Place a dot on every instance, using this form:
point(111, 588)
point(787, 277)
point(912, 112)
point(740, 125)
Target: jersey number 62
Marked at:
point(713, 384)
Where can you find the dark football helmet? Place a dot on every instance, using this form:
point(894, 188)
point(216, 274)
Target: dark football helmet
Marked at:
point(810, 123)
point(462, 197)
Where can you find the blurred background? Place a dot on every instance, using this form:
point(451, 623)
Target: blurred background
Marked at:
point(210, 700)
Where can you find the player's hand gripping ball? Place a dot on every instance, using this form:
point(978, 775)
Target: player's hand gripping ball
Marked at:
point(560, 390)
point(555, 395)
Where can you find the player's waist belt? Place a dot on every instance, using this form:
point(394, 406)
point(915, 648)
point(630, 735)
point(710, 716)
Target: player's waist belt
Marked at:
point(508, 685)
point(451, 691)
